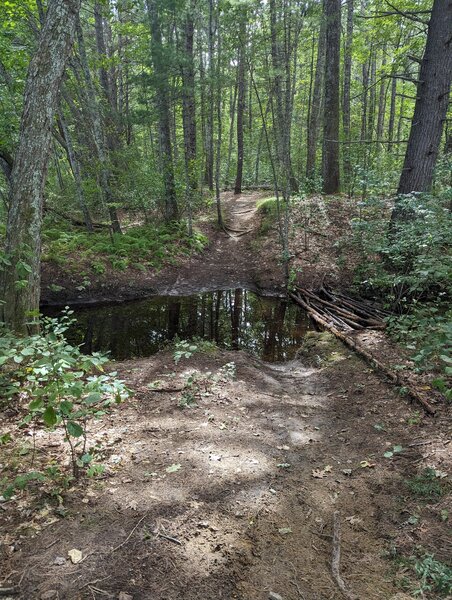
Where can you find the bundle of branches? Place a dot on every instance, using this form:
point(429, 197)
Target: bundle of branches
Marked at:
point(341, 311)
point(344, 317)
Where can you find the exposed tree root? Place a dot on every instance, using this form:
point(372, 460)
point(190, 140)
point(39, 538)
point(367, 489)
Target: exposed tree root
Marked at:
point(336, 558)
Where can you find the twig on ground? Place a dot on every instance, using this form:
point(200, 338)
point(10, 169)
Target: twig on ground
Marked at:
point(300, 593)
point(167, 537)
point(130, 534)
point(336, 558)
point(9, 591)
point(91, 583)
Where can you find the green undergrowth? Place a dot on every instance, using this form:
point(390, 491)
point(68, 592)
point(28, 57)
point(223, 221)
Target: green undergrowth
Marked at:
point(53, 389)
point(409, 268)
point(140, 247)
point(424, 576)
point(429, 485)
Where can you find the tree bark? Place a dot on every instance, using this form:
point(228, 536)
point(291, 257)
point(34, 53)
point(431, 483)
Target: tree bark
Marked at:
point(392, 110)
point(188, 98)
point(75, 169)
point(98, 131)
point(20, 282)
point(382, 101)
point(331, 181)
point(431, 103)
point(346, 122)
point(231, 134)
point(316, 105)
point(162, 98)
point(210, 104)
point(240, 104)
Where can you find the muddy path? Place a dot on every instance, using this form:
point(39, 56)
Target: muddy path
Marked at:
point(231, 260)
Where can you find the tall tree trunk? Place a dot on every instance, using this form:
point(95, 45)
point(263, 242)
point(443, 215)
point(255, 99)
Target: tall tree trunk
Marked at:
point(240, 104)
point(392, 110)
point(202, 86)
point(316, 105)
point(382, 101)
point(171, 211)
point(372, 96)
point(75, 169)
point(98, 131)
point(432, 100)
point(365, 79)
point(111, 124)
point(231, 134)
point(346, 95)
point(188, 98)
point(20, 282)
point(332, 13)
point(210, 103)
point(219, 125)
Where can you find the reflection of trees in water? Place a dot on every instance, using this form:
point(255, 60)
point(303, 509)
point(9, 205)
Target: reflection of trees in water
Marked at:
point(235, 319)
point(173, 318)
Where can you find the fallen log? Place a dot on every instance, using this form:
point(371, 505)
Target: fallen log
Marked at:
point(349, 341)
point(365, 310)
point(74, 221)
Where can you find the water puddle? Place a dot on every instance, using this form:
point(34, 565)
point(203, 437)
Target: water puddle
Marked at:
point(271, 328)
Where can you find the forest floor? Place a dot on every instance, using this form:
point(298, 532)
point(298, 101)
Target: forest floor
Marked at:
point(228, 489)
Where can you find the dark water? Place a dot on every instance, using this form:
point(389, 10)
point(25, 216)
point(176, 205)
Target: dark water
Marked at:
point(235, 319)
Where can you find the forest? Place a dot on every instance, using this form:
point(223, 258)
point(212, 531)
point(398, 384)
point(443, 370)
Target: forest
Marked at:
point(225, 299)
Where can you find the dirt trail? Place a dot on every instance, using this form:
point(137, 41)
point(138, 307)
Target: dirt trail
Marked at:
point(230, 261)
point(234, 498)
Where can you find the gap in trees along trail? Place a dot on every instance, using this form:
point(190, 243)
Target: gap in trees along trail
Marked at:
point(247, 204)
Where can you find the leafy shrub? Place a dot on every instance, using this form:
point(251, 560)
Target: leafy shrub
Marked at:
point(63, 387)
point(409, 266)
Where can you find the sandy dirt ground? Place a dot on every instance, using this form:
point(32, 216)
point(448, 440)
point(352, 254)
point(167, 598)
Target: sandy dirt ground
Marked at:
point(226, 487)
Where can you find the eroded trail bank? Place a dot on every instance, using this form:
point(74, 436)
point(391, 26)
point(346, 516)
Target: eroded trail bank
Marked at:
point(226, 488)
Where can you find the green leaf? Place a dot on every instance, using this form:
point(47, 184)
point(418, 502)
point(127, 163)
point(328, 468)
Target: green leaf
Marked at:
point(74, 429)
point(66, 407)
point(93, 397)
point(36, 404)
point(173, 468)
point(49, 416)
point(27, 351)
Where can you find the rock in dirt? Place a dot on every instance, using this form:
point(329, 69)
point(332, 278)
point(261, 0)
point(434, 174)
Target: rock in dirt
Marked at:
point(124, 596)
point(274, 596)
point(59, 560)
point(75, 555)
